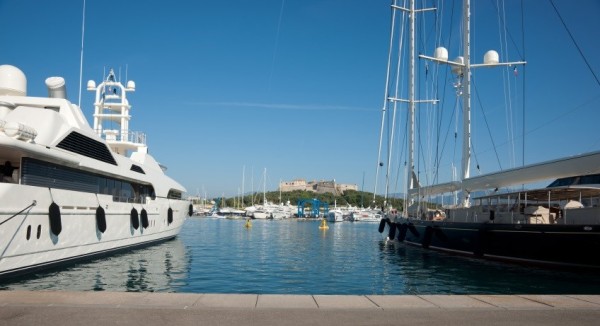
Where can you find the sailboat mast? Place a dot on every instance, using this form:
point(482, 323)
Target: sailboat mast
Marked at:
point(411, 100)
point(243, 181)
point(466, 148)
point(265, 187)
point(386, 97)
point(412, 12)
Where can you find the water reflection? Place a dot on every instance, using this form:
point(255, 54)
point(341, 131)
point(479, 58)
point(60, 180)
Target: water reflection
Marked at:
point(295, 257)
point(430, 272)
point(159, 268)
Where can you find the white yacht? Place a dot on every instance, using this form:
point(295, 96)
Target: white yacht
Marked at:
point(70, 191)
point(366, 215)
point(335, 215)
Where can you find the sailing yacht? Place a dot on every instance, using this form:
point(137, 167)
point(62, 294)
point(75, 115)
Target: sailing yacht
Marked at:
point(496, 217)
point(69, 191)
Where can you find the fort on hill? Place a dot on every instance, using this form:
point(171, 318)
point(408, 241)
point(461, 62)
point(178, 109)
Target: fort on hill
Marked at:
point(319, 187)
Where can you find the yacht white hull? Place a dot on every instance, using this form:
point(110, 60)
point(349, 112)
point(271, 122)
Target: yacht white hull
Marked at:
point(366, 216)
point(28, 243)
point(260, 215)
point(335, 216)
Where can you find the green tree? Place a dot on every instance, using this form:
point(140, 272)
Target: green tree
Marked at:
point(350, 197)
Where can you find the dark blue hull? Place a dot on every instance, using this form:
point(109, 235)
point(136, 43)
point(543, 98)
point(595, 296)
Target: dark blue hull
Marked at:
point(558, 245)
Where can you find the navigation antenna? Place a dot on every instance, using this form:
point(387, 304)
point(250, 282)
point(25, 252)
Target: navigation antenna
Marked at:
point(81, 55)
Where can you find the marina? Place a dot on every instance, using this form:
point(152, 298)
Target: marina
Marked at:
point(291, 256)
point(485, 202)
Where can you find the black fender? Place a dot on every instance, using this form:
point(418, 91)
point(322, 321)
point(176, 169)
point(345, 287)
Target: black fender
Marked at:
point(170, 215)
point(100, 219)
point(402, 231)
point(135, 221)
point(144, 217)
point(427, 237)
point(54, 218)
point(392, 233)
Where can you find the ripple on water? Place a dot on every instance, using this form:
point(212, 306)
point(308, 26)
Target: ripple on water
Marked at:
point(295, 257)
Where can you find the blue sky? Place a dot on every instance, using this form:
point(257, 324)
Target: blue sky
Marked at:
point(293, 86)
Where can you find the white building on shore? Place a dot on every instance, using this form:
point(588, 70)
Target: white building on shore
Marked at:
point(319, 187)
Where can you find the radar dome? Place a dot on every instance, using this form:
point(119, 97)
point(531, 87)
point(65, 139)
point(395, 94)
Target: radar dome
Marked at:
point(491, 57)
point(12, 81)
point(441, 53)
point(91, 85)
point(458, 69)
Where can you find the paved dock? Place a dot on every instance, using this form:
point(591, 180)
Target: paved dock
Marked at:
point(147, 309)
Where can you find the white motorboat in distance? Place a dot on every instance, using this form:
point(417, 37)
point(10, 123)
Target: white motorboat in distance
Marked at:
point(335, 215)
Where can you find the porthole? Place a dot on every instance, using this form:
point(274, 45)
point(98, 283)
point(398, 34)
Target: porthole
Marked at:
point(28, 232)
point(39, 231)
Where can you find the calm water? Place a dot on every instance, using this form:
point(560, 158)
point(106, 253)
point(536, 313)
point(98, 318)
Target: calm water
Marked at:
point(295, 257)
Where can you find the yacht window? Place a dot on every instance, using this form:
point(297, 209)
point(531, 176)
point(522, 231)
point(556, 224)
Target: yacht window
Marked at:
point(174, 194)
point(589, 179)
point(45, 174)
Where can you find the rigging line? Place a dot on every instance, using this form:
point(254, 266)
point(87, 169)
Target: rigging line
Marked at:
point(578, 107)
point(507, 90)
point(475, 157)
point(429, 137)
point(421, 151)
point(486, 121)
point(435, 139)
point(401, 153)
point(554, 120)
point(429, 115)
point(81, 55)
point(438, 36)
point(389, 149)
point(458, 108)
point(574, 42)
point(444, 88)
point(594, 144)
point(456, 103)
point(420, 159)
point(524, 80)
point(17, 214)
point(385, 96)
point(507, 31)
point(439, 153)
point(395, 107)
point(276, 46)
point(432, 93)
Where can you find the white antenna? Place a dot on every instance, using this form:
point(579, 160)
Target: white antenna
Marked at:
point(81, 57)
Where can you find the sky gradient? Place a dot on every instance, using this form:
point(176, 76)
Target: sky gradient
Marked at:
point(293, 86)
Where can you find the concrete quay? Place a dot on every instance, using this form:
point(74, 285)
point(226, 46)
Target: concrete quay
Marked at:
point(147, 309)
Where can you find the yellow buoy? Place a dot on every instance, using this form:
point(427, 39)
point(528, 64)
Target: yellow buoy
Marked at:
point(248, 224)
point(323, 225)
